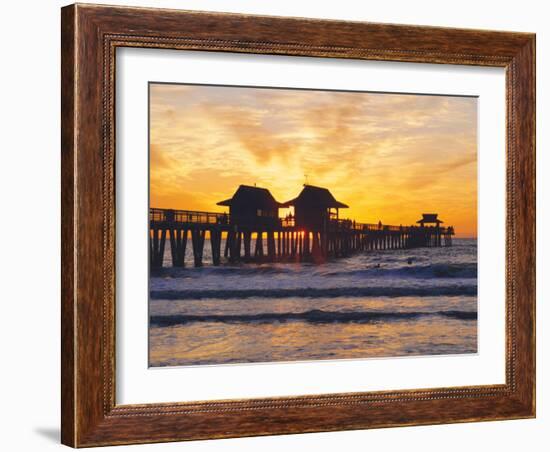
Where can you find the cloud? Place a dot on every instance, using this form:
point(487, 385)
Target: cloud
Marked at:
point(389, 156)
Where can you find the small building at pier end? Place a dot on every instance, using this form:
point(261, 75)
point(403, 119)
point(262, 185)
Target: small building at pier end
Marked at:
point(429, 219)
point(314, 207)
point(252, 206)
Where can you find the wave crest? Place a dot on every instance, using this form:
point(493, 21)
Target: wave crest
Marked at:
point(310, 292)
point(313, 316)
point(417, 271)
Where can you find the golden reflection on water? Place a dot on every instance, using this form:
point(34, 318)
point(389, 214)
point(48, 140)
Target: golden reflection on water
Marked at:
point(221, 343)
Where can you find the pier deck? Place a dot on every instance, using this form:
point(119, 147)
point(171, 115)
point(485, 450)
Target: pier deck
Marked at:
point(276, 240)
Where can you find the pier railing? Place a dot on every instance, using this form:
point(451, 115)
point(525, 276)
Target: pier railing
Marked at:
point(213, 218)
point(355, 226)
point(187, 216)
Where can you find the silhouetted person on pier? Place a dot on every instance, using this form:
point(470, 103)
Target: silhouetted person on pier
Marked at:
point(169, 214)
point(288, 219)
point(379, 224)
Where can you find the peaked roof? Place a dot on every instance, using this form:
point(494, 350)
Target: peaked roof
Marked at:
point(253, 196)
point(315, 197)
point(429, 218)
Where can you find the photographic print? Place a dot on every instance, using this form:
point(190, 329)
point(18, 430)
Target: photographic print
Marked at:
point(299, 224)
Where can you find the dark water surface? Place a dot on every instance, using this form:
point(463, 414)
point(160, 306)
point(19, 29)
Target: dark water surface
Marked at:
point(374, 304)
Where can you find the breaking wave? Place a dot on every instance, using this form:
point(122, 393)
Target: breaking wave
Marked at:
point(437, 270)
point(313, 316)
point(427, 291)
point(418, 271)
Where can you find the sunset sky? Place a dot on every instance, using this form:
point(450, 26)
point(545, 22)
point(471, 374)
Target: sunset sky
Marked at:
point(390, 157)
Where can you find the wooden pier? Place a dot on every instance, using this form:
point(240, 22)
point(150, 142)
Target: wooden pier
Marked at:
point(233, 238)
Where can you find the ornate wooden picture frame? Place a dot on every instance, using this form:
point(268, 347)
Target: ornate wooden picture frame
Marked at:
point(90, 37)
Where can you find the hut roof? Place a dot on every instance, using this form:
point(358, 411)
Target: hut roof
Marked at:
point(252, 196)
point(429, 218)
point(316, 197)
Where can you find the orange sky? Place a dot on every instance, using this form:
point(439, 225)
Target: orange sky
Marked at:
point(390, 157)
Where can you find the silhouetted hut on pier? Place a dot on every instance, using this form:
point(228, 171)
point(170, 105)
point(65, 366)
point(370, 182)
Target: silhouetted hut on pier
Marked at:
point(429, 219)
point(252, 206)
point(314, 207)
point(428, 236)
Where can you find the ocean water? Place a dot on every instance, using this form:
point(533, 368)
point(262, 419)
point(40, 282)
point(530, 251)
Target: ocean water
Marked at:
point(373, 304)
